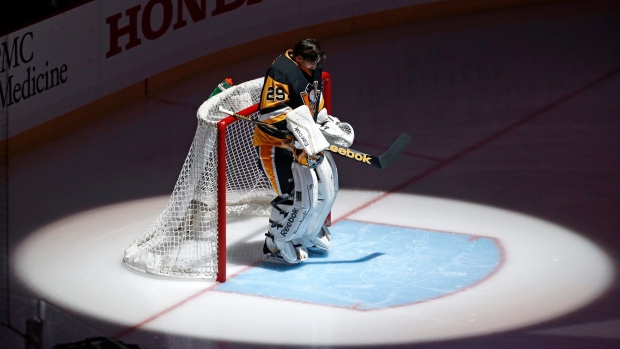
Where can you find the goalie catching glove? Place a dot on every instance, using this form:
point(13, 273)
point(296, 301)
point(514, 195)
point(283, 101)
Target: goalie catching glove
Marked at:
point(335, 132)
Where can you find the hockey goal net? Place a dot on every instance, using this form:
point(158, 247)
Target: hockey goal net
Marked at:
point(220, 177)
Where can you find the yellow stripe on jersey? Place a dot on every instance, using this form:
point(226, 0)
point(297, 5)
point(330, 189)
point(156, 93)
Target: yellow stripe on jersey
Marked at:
point(321, 104)
point(274, 93)
point(262, 138)
point(266, 158)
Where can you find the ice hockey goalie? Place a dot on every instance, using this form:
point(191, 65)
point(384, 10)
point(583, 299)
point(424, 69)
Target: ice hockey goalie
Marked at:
point(303, 176)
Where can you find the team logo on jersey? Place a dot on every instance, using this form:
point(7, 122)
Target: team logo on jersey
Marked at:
point(311, 96)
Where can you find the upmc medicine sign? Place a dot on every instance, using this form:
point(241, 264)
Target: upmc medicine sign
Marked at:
point(91, 51)
point(48, 69)
point(31, 62)
point(19, 52)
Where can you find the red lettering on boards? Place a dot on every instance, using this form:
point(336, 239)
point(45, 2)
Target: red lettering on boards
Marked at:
point(157, 18)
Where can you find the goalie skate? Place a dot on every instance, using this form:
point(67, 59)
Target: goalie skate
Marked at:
point(276, 259)
point(271, 253)
point(271, 257)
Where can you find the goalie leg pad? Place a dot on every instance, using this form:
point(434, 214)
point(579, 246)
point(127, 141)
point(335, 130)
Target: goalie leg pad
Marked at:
point(330, 159)
point(321, 240)
point(288, 220)
point(305, 196)
point(317, 234)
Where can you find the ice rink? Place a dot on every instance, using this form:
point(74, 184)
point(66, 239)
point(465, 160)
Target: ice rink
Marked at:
point(497, 227)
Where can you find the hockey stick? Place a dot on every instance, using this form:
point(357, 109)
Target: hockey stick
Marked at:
point(257, 122)
point(381, 162)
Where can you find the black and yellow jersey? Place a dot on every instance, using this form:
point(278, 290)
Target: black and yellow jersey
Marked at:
point(286, 87)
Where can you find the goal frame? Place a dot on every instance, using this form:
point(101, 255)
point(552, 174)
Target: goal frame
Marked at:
point(221, 173)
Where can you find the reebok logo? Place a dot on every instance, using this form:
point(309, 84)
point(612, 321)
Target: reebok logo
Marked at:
point(300, 136)
point(350, 154)
point(289, 222)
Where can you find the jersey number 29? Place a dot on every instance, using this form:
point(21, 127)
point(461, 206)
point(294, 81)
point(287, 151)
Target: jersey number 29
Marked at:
point(276, 94)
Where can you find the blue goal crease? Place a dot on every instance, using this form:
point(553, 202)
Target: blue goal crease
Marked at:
point(372, 266)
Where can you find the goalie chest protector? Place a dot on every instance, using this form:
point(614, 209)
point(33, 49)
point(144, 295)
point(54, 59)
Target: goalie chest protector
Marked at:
point(285, 85)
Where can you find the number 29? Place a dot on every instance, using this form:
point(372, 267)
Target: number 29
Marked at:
point(276, 94)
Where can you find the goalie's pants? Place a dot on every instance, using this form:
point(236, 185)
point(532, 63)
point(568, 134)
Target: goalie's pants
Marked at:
point(276, 164)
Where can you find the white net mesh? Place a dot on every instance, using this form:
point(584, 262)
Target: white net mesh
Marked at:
point(183, 240)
